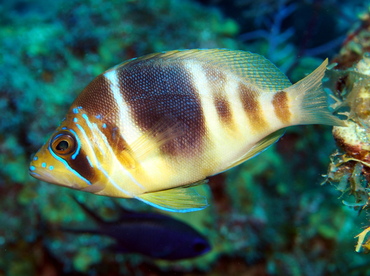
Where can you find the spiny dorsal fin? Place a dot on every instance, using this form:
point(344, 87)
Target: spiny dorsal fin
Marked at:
point(252, 68)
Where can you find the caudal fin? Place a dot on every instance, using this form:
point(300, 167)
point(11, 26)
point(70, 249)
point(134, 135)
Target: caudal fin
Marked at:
point(311, 100)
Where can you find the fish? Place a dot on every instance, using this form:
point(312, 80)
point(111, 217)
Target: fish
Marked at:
point(150, 234)
point(156, 127)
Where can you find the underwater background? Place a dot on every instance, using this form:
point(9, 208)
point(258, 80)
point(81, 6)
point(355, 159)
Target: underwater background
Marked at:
point(269, 216)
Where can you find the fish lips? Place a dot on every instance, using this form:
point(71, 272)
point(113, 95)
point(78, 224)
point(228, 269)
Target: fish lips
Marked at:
point(55, 174)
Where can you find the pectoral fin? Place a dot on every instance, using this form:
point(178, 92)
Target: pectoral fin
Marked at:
point(181, 199)
point(160, 134)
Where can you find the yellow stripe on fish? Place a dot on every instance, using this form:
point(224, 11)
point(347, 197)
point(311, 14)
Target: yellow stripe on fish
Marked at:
point(153, 127)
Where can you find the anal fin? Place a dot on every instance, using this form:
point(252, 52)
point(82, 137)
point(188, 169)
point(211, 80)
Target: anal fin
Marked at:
point(181, 199)
point(261, 145)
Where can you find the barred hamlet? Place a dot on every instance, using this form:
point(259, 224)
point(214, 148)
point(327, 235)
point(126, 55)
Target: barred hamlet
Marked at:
point(153, 127)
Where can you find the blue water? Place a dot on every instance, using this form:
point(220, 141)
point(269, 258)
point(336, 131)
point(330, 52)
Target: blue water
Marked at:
point(269, 216)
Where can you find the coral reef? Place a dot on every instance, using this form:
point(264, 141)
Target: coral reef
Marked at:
point(349, 169)
point(269, 216)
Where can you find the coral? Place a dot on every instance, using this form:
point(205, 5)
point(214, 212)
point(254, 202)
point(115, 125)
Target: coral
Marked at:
point(355, 45)
point(277, 49)
point(349, 169)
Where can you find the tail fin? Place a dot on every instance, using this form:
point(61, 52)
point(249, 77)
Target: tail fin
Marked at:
point(310, 100)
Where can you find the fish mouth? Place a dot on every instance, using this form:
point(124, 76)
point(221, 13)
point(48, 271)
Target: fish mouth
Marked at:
point(34, 171)
point(43, 175)
point(51, 175)
point(34, 174)
point(41, 171)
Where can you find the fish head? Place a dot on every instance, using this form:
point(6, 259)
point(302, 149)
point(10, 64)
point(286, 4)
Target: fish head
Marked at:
point(52, 163)
point(77, 155)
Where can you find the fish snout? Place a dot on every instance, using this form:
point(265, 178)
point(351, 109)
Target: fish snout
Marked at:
point(201, 246)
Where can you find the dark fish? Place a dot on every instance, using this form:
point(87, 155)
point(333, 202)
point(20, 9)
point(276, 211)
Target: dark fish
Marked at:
point(150, 234)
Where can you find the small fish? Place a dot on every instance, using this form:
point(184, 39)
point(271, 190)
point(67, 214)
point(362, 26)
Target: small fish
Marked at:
point(154, 127)
point(150, 234)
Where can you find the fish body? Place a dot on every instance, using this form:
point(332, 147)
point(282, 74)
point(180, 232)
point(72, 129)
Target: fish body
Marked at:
point(150, 234)
point(153, 127)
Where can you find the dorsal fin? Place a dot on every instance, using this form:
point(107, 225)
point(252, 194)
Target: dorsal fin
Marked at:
point(252, 68)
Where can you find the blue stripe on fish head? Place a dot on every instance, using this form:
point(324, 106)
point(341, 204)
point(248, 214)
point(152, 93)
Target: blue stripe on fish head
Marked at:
point(97, 140)
point(63, 161)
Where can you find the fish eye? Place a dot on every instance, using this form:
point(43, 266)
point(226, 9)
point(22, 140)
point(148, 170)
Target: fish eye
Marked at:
point(63, 143)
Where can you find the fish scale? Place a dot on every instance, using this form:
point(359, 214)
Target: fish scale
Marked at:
point(154, 127)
